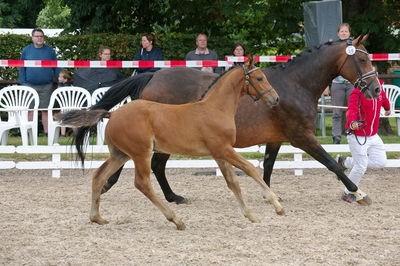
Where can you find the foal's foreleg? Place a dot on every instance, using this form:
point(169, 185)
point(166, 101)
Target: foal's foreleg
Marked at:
point(142, 182)
point(238, 161)
point(233, 184)
point(100, 177)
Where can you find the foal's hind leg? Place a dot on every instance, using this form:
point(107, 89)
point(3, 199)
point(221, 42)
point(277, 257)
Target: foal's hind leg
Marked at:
point(142, 182)
point(234, 158)
point(233, 184)
point(99, 179)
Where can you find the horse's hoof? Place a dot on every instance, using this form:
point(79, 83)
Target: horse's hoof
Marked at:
point(280, 212)
point(253, 218)
point(98, 220)
point(180, 226)
point(365, 201)
point(177, 199)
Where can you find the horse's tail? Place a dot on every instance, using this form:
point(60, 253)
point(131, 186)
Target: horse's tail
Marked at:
point(132, 86)
point(83, 120)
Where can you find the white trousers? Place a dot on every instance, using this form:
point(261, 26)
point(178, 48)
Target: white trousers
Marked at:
point(371, 154)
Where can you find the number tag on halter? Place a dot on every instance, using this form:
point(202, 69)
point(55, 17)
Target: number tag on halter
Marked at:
point(350, 50)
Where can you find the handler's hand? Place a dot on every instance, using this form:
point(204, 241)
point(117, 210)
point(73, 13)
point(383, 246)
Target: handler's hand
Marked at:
point(354, 125)
point(388, 112)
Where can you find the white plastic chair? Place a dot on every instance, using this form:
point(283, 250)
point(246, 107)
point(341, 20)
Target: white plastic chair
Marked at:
point(101, 126)
point(65, 99)
point(19, 99)
point(392, 93)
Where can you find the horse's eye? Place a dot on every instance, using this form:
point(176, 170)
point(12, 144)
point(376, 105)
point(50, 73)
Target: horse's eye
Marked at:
point(363, 60)
point(259, 79)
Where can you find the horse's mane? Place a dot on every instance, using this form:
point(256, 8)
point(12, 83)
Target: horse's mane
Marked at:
point(307, 52)
point(215, 81)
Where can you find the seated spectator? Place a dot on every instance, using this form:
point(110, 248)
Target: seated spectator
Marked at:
point(64, 80)
point(203, 53)
point(238, 50)
point(148, 52)
point(94, 78)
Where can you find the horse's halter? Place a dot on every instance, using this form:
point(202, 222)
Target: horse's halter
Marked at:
point(360, 82)
point(248, 82)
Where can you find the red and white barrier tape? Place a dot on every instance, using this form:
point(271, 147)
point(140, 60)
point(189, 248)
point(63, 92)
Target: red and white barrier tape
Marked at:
point(229, 60)
point(111, 64)
point(285, 58)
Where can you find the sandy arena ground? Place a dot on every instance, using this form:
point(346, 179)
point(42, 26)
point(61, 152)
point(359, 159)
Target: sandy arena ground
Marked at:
point(44, 221)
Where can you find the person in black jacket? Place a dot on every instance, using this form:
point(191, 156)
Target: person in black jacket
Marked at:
point(94, 78)
point(148, 52)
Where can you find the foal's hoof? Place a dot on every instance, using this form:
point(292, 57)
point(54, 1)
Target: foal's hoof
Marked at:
point(180, 226)
point(252, 218)
point(280, 211)
point(365, 201)
point(98, 220)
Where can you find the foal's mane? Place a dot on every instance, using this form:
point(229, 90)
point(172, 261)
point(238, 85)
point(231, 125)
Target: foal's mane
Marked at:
point(215, 81)
point(307, 53)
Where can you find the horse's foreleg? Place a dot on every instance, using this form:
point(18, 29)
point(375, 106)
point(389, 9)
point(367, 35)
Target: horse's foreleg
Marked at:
point(142, 182)
point(233, 184)
point(112, 180)
point(317, 152)
point(99, 179)
point(314, 149)
point(238, 161)
point(158, 163)
point(271, 151)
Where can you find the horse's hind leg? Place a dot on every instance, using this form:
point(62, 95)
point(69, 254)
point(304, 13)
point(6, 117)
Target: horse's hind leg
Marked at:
point(142, 182)
point(233, 184)
point(271, 151)
point(158, 163)
point(234, 158)
point(99, 179)
point(112, 180)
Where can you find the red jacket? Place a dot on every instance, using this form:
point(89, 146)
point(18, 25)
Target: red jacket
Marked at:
point(369, 111)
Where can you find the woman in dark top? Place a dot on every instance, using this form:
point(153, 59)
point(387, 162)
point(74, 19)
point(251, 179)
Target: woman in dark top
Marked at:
point(148, 52)
point(238, 50)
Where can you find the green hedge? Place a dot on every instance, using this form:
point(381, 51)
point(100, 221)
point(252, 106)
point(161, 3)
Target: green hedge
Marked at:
point(124, 46)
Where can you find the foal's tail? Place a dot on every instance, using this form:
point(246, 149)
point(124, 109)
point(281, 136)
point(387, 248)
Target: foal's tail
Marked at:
point(132, 86)
point(83, 120)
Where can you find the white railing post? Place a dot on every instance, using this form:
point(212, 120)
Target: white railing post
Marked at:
point(298, 157)
point(56, 160)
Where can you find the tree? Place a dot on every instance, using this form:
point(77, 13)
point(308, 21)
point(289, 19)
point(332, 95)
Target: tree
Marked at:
point(19, 13)
point(53, 15)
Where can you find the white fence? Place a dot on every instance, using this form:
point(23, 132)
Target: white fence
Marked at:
point(56, 164)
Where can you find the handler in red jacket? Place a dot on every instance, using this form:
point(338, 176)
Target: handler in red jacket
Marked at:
point(365, 145)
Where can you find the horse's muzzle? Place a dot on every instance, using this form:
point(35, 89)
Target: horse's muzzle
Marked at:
point(272, 101)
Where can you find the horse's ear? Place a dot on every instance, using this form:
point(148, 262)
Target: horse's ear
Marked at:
point(250, 62)
point(360, 39)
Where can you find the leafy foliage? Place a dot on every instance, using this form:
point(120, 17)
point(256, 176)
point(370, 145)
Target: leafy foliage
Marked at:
point(19, 13)
point(54, 16)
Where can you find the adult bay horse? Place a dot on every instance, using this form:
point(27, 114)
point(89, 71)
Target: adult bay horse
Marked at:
point(202, 128)
point(299, 83)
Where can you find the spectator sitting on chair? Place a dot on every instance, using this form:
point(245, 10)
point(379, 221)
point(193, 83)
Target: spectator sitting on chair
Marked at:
point(39, 78)
point(203, 53)
point(148, 52)
point(64, 79)
point(94, 78)
point(238, 50)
